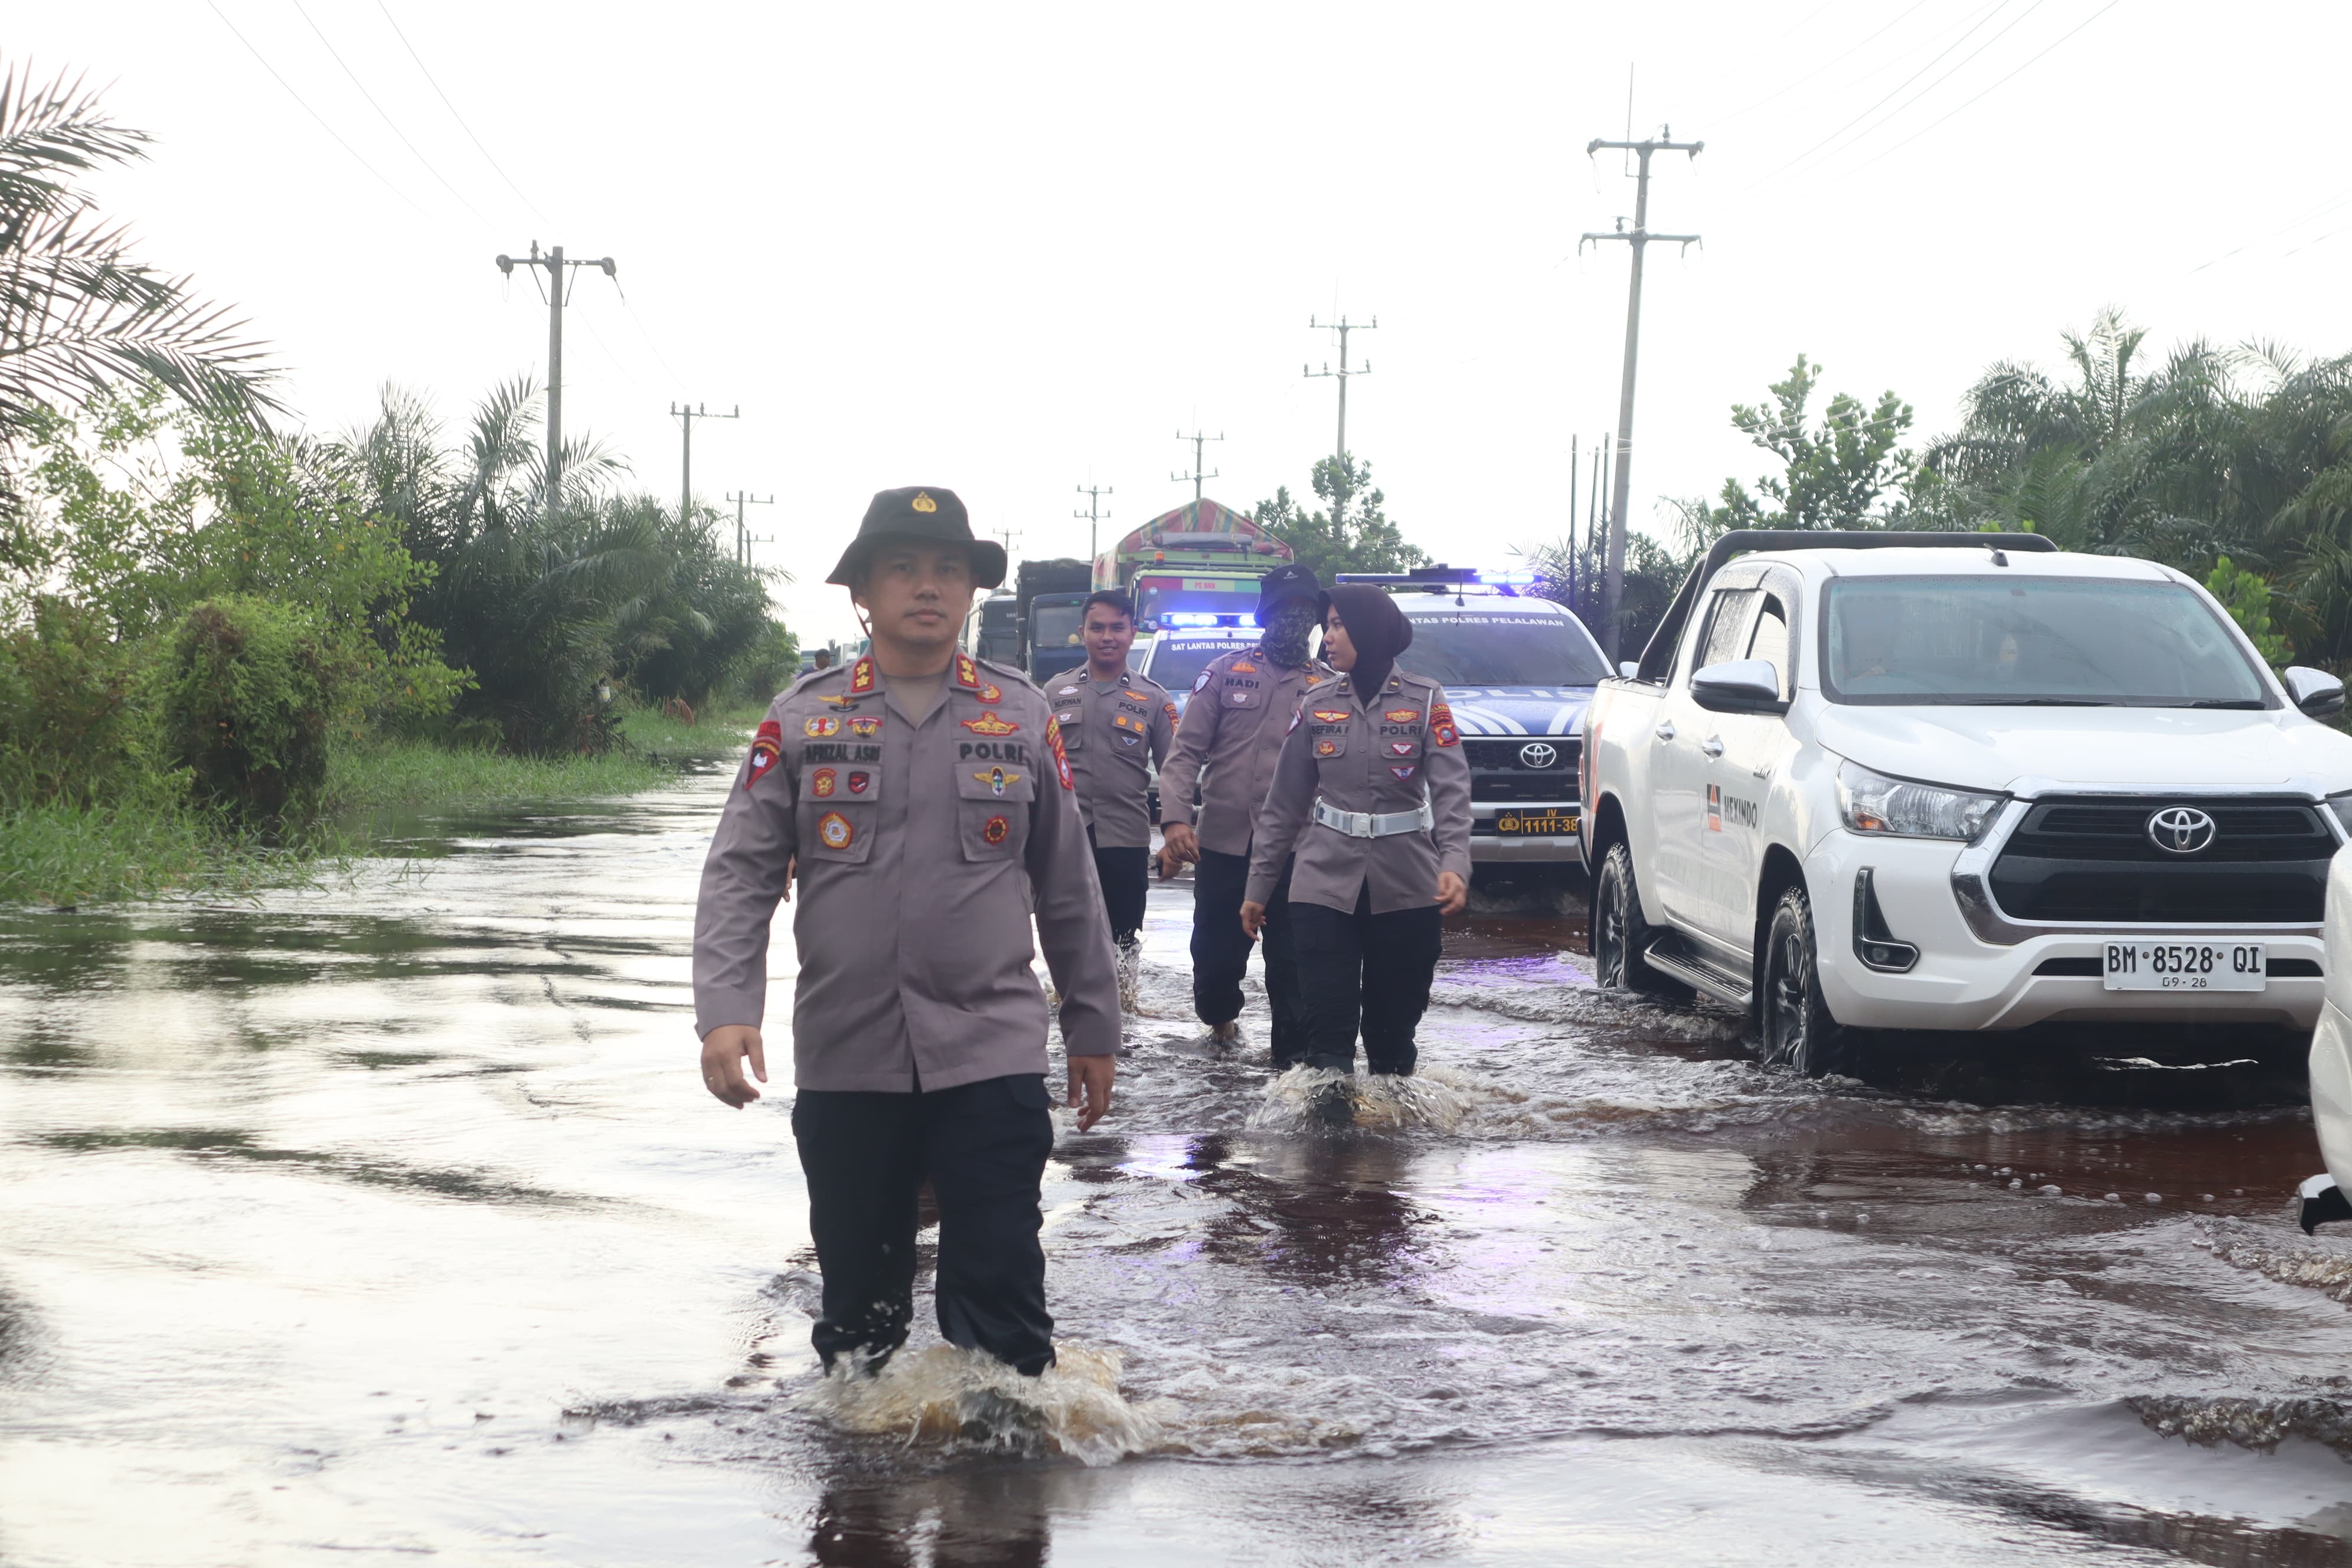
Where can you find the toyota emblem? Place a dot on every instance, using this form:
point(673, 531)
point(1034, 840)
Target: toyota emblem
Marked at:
point(1537, 754)
point(2180, 830)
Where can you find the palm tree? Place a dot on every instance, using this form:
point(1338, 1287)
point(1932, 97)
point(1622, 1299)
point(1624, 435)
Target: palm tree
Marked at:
point(76, 315)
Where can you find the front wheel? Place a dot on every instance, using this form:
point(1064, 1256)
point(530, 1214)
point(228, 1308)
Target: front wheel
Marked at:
point(1793, 1020)
point(1620, 934)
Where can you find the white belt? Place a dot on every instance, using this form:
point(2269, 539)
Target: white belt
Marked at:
point(1376, 824)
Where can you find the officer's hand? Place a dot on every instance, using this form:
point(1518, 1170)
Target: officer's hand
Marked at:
point(723, 1050)
point(792, 870)
point(1253, 916)
point(1179, 846)
point(1453, 892)
point(1090, 1088)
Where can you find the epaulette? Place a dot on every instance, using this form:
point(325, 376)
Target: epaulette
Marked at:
point(809, 677)
point(1007, 672)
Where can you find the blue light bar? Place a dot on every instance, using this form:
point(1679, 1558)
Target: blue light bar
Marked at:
point(1189, 618)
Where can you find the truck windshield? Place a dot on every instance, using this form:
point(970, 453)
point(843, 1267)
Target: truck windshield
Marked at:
point(1502, 651)
point(1053, 642)
point(2032, 642)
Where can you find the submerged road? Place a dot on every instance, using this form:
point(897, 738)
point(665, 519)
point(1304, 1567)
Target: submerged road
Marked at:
point(389, 1222)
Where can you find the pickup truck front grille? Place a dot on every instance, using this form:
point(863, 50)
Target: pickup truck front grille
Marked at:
point(2088, 858)
point(1499, 769)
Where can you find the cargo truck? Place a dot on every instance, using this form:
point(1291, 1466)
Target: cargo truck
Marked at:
point(1195, 566)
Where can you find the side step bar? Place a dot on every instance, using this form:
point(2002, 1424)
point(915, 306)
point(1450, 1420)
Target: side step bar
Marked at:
point(1668, 955)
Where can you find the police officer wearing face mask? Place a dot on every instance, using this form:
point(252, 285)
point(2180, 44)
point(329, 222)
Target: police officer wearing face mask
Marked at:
point(1373, 793)
point(1234, 727)
point(924, 797)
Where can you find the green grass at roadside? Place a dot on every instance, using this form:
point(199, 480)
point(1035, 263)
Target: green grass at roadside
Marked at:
point(60, 855)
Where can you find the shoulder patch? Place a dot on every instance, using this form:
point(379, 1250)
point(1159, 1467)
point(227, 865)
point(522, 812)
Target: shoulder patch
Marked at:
point(1207, 675)
point(765, 746)
point(1441, 726)
point(1061, 757)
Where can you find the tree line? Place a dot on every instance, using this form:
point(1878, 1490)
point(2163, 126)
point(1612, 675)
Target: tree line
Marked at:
point(2232, 464)
point(198, 604)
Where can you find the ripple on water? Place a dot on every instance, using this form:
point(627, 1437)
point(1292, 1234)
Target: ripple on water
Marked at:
point(964, 1401)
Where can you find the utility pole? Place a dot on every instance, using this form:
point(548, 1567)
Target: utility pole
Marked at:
point(1343, 327)
point(1008, 535)
point(558, 290)
point(1198, 440)
point(1614, 582)
point(743, 540)
point(1093, 495)
point(687, 417)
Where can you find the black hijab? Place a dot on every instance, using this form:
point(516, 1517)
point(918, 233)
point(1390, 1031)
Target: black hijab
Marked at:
point(1378, 629)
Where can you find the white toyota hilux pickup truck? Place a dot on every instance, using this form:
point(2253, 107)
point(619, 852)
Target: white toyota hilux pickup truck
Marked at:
point(1959, 782)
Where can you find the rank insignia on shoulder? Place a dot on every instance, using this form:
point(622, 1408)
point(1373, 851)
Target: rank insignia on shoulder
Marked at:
point(1441, 726)
point(822, 782)
point(990, 725)
point(861, 675)
point(1061, 757)
point(996, 829)
point(837, 699)
point(996, 779)
point(1327, 748)
point(860, 783)
point(1400, 748)
point(968, 673)
point(833, 831)
point(1331, 715)
point(1406, 771)
point(865, 729)
point(765, 745)
point(1402, 715)
point(1206, 676)
point(823, 724)
point(1243, 666)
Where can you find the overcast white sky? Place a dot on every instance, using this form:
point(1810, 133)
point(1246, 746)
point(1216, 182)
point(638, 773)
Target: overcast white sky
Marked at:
point(1013, 248)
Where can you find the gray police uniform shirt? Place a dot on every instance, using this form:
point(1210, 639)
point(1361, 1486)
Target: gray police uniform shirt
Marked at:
point(1233, 726)
point(1110, 731)
point(1379, 757)
point(920, 848)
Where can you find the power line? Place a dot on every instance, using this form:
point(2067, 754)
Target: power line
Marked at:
point(387, 119)
point(1787, 88)
point(1638, 239)
point(1343, 327)
point(1987, 15)
point(452, 108)
point(2094, 16)
point(1963, 64)
point(314, 114)
point(1198, 440)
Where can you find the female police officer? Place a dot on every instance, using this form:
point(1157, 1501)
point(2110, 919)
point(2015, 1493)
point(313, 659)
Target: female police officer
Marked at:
point(1373, 792)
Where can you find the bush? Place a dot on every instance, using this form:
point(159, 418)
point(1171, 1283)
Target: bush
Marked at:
point(769, 666)
point(74, 726)
point(248, 703)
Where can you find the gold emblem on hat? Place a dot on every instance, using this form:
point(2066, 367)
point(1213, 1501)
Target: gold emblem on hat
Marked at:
point(923, 502)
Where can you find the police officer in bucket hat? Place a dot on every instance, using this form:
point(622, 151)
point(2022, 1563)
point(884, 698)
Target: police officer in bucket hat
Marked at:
point(918, 797)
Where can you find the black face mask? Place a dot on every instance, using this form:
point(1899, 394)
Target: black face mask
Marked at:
point(1286, 633)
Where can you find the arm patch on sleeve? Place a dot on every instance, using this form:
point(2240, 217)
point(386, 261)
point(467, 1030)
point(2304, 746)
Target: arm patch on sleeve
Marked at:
point(1061, 757)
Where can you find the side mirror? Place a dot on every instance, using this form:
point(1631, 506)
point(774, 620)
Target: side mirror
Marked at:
point(2314, 691)
point(1742, 685)
point(1630, 668)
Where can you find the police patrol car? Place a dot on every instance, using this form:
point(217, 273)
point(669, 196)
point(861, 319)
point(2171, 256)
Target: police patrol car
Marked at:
point(1519, 671)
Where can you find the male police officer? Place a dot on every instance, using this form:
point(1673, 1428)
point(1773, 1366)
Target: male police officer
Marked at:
point(1112, 719)
point(922, 795)
point(1240, 709)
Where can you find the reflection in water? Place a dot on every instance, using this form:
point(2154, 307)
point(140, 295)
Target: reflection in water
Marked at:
point(389, 1220)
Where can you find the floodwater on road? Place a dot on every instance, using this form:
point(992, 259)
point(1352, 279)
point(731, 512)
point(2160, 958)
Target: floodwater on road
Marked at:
point(390, 1221)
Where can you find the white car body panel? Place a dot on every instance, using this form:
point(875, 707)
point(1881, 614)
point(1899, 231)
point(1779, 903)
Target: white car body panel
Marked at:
point(1699, 860)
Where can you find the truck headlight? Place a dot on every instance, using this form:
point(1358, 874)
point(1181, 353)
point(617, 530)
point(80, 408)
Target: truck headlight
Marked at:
point(1873, 802)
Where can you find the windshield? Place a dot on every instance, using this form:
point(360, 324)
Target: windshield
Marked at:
point(1177, 661)
point(2032, 641)
point(1054, 639)
point(1502, 651)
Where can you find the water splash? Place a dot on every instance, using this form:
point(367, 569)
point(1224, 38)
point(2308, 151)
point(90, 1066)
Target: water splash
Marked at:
point(962, 1399)
point(1304, 1097)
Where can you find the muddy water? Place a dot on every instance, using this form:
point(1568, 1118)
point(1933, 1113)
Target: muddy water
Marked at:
point(390, 1221)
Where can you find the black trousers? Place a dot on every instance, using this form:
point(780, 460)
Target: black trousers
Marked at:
point(1360, 967)
point(984, 1148)
point(1221, 951)
point(1125, 875)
